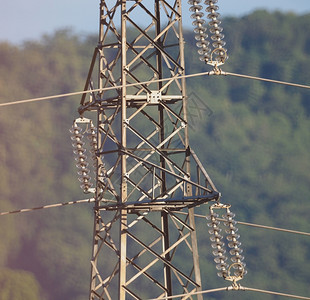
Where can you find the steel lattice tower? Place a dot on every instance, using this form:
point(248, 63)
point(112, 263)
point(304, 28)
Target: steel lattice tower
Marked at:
point(146, 171)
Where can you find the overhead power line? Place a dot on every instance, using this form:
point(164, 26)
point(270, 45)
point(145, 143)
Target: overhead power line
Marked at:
point(258, 226)
point(267, 80)
point(232, 288)
point(47, 206)
point(275, 293)
point(192, 294)
point(96, 90)
point(219, 72)
point(90, 200)
point(272, 228)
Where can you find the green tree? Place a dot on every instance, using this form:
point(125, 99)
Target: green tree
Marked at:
point(18, 285)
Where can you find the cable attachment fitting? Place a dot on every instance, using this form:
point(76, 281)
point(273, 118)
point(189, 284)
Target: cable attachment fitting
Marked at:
point(216, 71)
point(79, 149)
point(232, 245)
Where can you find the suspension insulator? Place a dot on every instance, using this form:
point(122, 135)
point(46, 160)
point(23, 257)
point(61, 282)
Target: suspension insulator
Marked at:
point(232, 244)
point(79, 150)
point(216, 238)
point(200, 31)
point(219, 53)
point(92, 136)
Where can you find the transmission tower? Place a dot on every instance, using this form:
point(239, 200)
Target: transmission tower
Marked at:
point(146, 171)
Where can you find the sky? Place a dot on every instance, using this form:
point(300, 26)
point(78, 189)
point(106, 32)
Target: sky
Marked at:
point(23, 20)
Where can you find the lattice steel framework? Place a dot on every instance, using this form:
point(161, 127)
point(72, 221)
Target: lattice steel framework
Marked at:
point(146, 170)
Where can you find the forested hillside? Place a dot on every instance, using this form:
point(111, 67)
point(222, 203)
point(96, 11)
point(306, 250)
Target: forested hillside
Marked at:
point(252, 137)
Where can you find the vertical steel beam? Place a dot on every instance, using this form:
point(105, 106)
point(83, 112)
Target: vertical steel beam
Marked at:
point(164, 215)
point(189, 191)
point(123, 192)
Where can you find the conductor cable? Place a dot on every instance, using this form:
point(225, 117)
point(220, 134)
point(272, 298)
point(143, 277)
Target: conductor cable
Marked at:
point(266, 80)
point(256, 225)
point(213, 72)
point(47, 206)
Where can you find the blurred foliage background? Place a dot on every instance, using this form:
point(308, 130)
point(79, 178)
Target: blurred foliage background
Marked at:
point(252, 137)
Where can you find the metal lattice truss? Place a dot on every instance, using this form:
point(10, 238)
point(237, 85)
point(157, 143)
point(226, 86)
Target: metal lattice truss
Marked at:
point(146, 169)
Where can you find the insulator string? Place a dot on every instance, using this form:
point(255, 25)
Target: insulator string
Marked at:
point(232, 243)
point(80, 150)
point(218, 55)
point(200, 30)
point(217, 244)
point(92, 137)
